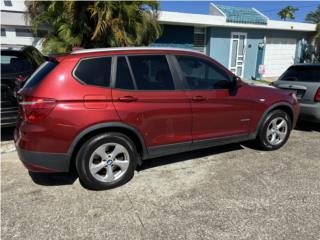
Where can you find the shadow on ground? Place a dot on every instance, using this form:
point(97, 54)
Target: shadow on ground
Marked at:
point(307, 126)
point(7, 134)
point(53, 179)
point(170, 159)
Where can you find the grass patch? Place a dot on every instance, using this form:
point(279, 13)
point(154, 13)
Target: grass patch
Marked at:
point(264, 81)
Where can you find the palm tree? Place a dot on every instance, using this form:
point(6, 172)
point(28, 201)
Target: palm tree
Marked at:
point(95, 23)
point(314, 17)
point(287, 13)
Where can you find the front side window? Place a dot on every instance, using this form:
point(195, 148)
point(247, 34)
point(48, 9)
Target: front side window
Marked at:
point(201, 74)
point(151, 72)
point(94, 71)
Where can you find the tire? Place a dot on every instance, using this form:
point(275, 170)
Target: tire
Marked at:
point(269, 129)
point(106, 161)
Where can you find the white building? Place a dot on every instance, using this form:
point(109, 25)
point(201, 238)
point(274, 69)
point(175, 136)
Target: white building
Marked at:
point(15, 29)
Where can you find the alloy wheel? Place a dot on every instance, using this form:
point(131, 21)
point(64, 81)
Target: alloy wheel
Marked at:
point(109, 162)
point(277, 131)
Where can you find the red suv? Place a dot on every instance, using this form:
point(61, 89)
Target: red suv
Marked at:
point(105, 110)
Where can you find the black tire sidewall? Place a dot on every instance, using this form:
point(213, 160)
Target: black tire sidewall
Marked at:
point(263, 133)
point(83, 158)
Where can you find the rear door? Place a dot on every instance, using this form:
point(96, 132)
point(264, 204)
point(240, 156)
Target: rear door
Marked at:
point(304, 80)
point(147, 97)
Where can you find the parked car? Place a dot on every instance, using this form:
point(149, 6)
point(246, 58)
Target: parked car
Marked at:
point(105, 110)
point(304, 80)
point(17, 64)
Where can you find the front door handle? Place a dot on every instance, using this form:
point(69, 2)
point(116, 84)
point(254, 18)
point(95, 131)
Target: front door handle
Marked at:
point(199, 99)
point(128, 99)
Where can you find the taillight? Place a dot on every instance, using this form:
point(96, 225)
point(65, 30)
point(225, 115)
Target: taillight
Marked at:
point(21, 78)
point(34, 109)
point(317, 96)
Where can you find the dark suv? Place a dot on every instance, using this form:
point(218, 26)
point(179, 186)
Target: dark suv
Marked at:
point(17, 64)
point(105, 110)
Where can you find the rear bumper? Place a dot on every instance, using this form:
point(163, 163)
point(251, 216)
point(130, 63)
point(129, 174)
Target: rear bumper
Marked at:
point(42, 161)
point(310, 112)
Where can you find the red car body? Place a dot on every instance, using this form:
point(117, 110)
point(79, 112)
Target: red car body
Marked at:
point(158, 122)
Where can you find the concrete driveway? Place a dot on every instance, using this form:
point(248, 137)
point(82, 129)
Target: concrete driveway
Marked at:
point(230, 192)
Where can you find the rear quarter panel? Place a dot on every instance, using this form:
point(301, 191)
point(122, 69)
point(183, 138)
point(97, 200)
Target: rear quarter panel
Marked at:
point(78, 107)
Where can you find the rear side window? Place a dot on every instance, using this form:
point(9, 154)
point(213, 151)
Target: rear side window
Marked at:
point(40, 74)
point(302, 74)
point(201, 74)
point(151, 72)
point(15, 63)
point(123, 79)
point(36, 56)
point(94, 71)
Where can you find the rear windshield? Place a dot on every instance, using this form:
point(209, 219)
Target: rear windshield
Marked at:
point(14, 63)
point(302, 74)
point(40, 74)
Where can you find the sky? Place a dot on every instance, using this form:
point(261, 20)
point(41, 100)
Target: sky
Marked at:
point(268, 8)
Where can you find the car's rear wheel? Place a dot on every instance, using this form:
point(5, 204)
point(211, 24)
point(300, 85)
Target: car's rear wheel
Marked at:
point(274, 131)
point(106, 161)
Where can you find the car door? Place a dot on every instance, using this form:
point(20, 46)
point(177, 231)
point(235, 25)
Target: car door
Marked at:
point(216, 112)
point(147, 97)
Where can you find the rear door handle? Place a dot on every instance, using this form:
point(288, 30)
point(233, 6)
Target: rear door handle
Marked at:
point(128, 99)
point(199, 99)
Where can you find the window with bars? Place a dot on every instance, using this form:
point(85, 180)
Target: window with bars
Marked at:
point(199, 40)
point(23, 32)
point(7, 3)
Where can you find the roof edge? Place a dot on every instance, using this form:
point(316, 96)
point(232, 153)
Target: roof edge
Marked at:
point(190, 19)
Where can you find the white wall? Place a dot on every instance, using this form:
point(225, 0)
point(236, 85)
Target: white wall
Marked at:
point(11, 38)
point(12, 18)
point(17, 5)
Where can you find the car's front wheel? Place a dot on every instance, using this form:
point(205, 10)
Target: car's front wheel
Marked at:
point(106, 161)
point(274, 131)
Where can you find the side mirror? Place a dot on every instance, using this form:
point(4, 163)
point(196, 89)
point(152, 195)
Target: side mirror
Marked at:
point(235, 85)
point(237, 82)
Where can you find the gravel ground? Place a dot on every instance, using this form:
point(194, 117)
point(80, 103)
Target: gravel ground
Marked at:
point(230, 192)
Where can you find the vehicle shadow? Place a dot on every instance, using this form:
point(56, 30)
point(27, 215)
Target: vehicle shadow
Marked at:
point(59, 179)
point(53, 179)
point(307, 126)
point(170, 159)
point(7, 134)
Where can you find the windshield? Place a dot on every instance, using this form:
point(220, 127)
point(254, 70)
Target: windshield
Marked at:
point(302, 74)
